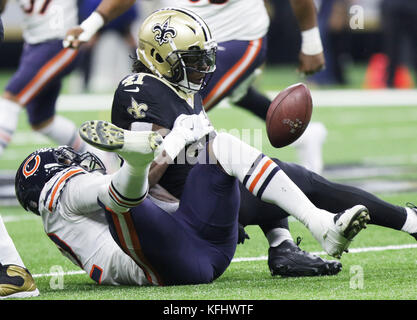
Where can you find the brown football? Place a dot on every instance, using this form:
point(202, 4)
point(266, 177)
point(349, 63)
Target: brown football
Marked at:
point(289, 115)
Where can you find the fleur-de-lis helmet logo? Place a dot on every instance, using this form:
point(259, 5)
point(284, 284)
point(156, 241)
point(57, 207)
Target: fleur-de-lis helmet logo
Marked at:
point(163, 31)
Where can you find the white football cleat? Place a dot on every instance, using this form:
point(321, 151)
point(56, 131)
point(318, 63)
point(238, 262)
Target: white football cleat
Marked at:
point(344, 227)
point(131, 145)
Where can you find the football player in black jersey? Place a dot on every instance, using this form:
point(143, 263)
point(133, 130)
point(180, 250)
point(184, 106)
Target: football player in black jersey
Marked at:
point(160, 91)
point(284, 256)
point(175, 60)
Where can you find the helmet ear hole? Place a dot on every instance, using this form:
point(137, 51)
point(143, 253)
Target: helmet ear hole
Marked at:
point(159, 58)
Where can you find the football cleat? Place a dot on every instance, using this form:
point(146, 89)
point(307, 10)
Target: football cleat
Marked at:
point(128, 144)
point(16, 282)
point(288, 260)
point(344, 227)
point(413, 207)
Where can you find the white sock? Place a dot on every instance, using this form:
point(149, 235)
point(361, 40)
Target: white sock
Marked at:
point(127, 189)
point(64, 132)
point(9, 117)
point(8, 251)
point(410, 224)
point(267, 181)
point(309, 147)
point(278, 235)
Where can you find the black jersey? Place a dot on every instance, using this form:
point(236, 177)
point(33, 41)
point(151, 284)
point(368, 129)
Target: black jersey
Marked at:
point(145, 98)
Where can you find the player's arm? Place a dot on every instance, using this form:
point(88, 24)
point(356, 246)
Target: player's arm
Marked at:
point(105, 12)
point(311, 56)
point(161, 163)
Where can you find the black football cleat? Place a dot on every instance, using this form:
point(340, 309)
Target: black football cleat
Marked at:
point(16, 282)
point(288, 260)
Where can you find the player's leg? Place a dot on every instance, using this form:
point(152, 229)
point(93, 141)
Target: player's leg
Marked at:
point(264, 178)
point(171, 249)
point(15, 280)
point(41, 66)
point(196, 243)
point(236, 62)
point(237, 66)
point(336, 197)
point(285, 258)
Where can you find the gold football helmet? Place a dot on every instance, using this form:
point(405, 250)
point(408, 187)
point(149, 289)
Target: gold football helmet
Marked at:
point(177, 45)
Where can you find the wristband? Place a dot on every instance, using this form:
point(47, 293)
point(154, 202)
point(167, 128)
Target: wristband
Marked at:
point(311, 42)
point(90, 26)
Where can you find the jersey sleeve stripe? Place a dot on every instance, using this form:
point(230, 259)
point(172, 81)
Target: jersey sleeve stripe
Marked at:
point(62, 245)
point(55, 188)
point(46, 74)
point(233, 75)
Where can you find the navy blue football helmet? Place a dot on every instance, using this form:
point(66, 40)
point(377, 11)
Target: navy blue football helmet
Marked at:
point(40, 166)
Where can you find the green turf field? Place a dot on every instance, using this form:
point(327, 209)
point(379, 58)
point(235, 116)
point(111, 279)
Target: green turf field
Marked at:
point(379, 141)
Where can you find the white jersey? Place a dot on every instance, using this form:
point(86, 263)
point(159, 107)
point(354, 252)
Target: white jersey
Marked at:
point(232, 20)
point(77, 225)
point(47, 19)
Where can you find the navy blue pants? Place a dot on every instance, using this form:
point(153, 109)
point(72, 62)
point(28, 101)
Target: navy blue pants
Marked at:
point(193, 245)
point(37, 81)
point(236, 60)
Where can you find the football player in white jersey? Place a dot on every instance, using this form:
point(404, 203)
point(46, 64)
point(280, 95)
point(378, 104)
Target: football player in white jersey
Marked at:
point(15, 280)
point(44, 62)
point(242, 50)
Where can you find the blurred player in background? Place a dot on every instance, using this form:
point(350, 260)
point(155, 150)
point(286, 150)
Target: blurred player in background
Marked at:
point(99, 50)
point(242, 50)
point(44, 62)
point(1, 28)
point(15, 280)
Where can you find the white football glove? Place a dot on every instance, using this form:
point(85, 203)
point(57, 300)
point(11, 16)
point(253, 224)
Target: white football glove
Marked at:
point(187, 129)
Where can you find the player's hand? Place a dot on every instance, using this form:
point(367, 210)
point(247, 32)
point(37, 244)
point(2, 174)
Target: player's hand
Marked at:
point(310, 64)
point(72, 38)
point(191, 128)
point(242, 235)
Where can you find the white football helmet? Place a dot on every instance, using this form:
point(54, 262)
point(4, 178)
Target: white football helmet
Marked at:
point(177, 45)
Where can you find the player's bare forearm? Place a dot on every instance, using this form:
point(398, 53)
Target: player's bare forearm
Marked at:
point(111, 9)
point(157, 170)
point(311, 57)
point(305, 12)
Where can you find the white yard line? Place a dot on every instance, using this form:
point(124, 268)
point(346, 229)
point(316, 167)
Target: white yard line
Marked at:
point(263, 258)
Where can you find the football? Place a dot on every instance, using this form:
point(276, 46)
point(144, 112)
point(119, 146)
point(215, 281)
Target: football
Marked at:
point(289, 115)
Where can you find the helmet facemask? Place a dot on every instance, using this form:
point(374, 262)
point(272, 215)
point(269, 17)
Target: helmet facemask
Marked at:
point(193, 68)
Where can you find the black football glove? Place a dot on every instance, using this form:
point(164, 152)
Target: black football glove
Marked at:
point(242, 235)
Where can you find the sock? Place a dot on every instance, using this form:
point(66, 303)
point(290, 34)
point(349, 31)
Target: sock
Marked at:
point(410, 224)
point(9, 117)
point(64, 132)
point(128, 188)
point(255, 102)
point(8, 251)
point(264, 179)
point(309, 147)
point(277, 235)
